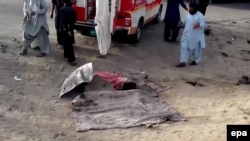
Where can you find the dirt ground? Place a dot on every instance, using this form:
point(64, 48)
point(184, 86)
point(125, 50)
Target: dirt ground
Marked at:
point(30, 109)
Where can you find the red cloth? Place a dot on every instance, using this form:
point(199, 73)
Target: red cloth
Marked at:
point(115, 79)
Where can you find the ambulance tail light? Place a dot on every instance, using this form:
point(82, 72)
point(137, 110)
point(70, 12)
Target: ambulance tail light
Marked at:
point(127, 22)
point(126, 18)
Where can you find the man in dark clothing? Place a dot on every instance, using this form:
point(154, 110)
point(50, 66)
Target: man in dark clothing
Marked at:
point(68, 20)
point(172, 17)
point(202, 5)
point(56, 6)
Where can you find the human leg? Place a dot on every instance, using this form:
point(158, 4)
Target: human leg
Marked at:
point(184, 55)
point(35, 44)
point(167, 31)
point(58, 23)
point(69, 53)
point(68, 48)
point(197, 55)
point(44, 42)
point(175, 31)
point(28, 39)
point(59, 37)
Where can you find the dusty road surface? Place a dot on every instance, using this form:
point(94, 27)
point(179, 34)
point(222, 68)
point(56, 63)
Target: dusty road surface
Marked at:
point(31, 111)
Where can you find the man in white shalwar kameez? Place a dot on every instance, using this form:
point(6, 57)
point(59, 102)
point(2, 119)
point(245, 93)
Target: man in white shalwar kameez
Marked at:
point(102, 28)
point(36, 26)
point(193, 38)
point(26, 7)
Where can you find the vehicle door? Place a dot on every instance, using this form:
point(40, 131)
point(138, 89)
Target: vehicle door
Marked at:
point(155, 7)
point(114, 9)
point(80, 8)
point(149, 6)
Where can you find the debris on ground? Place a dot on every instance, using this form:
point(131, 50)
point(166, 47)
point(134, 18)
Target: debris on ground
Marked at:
point(195, 84)
point(3, 48)
point(244, 80)
point(17, 78)
point(48, 68)
point(229, 42)
point(163, 90)
point(224, 54)
point(247, 51)
point(248, 41)
point(16, 41)
point(150, 126)
point(245, 59)
point(207, 32)
point(58, 134)
point(234, 22)
point(61, 68)
point(76, 109)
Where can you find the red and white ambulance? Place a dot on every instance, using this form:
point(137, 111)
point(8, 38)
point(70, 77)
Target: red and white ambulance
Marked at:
point(131, 16)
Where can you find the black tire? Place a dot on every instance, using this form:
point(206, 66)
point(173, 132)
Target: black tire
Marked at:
point(158, 18)
point(136, 37)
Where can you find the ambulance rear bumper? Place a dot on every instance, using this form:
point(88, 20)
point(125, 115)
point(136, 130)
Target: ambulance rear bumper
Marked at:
point(86, 29)
point(89, 29)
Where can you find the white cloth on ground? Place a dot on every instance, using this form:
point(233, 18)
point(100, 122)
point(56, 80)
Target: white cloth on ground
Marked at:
point(102, 20)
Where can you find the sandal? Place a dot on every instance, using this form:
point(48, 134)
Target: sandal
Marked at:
point(23, 52)
point(181, 65)
point(41, 54)
point(37, 48)
point(73, 63)
point(193, 63)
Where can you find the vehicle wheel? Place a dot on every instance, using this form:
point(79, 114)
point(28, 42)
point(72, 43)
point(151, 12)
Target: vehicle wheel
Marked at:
point(136, 37)
point(158, 18)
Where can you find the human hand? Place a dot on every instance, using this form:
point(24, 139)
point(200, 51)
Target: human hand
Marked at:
point(51, 15)
point(32, 13)
point(180, 24)
point(69, 33)
point(196, 26)
point(25, 18)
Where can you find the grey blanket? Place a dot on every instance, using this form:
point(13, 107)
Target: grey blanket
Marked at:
point(121, 109)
